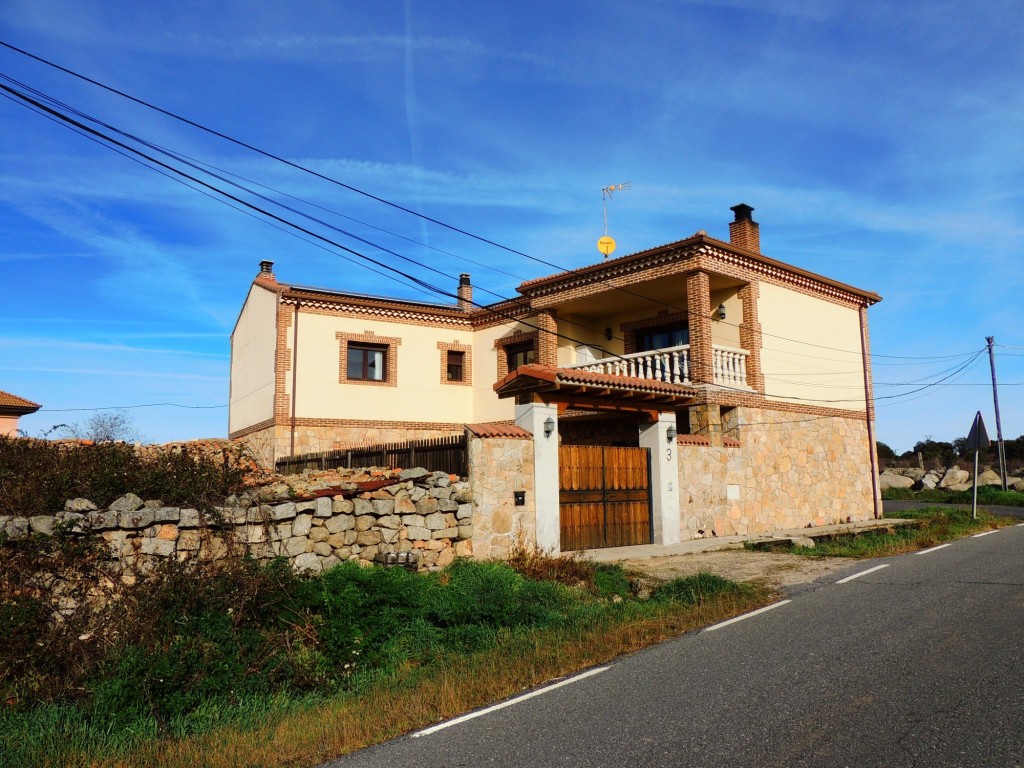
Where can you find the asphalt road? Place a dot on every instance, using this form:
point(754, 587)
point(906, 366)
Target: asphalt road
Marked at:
point(917, 663)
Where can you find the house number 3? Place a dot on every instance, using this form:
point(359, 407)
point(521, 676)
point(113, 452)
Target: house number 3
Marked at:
point(668, 454)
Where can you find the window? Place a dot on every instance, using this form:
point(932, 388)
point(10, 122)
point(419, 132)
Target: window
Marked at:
point(455, 365)
point(367, 362)
point(519, 354)
point(661, 337)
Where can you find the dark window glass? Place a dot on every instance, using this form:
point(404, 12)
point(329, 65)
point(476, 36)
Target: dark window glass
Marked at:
point(661, 337)
point(456, 360)
point(519, 354)
point(367, 362)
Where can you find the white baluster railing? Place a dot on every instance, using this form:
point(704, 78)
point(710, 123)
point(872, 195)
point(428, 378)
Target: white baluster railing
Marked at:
point(672, 364)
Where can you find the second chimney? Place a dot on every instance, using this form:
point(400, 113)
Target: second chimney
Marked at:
point(743, 231)
point(465, 293)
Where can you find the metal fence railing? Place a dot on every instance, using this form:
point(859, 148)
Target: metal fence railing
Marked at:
point(438, 454)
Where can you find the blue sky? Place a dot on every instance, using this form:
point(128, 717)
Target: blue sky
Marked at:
point(881, 144)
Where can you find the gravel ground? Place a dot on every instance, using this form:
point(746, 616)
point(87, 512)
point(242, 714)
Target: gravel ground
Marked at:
point(774, 570)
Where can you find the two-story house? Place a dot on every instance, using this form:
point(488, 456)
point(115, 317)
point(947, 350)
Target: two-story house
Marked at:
point(757, 371)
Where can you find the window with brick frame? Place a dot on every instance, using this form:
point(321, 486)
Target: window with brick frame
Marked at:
point(456, 363)
point(368, 359)
point(515, 350)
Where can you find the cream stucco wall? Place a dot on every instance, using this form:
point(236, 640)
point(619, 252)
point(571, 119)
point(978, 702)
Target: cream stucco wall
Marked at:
point(810, 349)
point(8, 426)
point(253, 345)
point(486, 405)
point(419, 395)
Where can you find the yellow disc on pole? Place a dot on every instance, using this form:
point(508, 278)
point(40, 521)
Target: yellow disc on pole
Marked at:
point(606, 245)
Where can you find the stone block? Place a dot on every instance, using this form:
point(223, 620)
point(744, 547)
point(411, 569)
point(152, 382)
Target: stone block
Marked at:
point(75, 522)
point(136, 518)
point(413, 474)
point(330, 561)
point(102, 520)
point(461, 493)
point(368, 538)
point(417, 493)
point(436, 521)
point(363, 506)
point(127, 503)
point(343, 553)
point(445, 557)
point(158, 547)
point(305, 506)
point(168, 531)
point(365, 522)
point(79, 505)
point(318, 534)
point(166, 514)
point(383, 507)
point(368, 554)
point(284, 511)
point(42, 524)
point(340, 523)
point(464, 512)
point(418, 534)
point(308, 561)
point(324, 507)
point(251, 534)
point(465, 532)
point(302, 525)
point(390, 521)
point(190, 518)
point(322, 548)
point(445, 533)
point(417, 520)
point(188, 541)
point(342, 506)
point(389, 535)
point(296, 545)
point(404, 505)
point(336, 539)
point(350, 537)
point(447, 505)
point(464, 548)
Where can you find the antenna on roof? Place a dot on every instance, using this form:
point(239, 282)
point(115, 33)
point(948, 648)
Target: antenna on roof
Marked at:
point(605, 244)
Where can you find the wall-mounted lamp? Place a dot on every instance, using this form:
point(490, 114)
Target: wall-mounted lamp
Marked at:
point(671, 433)
point(549, 426)
point(721, 312)
point(608, 333)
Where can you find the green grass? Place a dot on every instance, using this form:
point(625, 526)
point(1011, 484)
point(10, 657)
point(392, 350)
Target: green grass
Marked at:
point(189, 654)
point(992, 495)
point(931, 526)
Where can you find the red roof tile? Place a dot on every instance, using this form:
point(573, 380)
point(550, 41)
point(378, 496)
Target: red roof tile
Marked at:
point(7, 400)
point(499, 430)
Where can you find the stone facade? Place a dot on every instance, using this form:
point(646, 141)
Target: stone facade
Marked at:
point(412, 517)
point(788, 471)
point(498, 469)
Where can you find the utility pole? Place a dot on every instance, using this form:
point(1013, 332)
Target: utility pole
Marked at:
point(995, 399)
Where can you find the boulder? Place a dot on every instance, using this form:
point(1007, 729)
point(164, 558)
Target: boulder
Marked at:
point(888, 480)
point(79, 505)
point(127, 503)
point(954, 476)
point(990, 477)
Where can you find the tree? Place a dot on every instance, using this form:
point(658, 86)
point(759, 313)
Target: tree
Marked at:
point(885, 453)
point(106, 427)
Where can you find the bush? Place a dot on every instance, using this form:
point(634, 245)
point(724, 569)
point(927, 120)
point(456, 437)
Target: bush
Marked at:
point(38, 476)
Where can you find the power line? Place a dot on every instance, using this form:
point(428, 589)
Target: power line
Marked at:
point(131, 407)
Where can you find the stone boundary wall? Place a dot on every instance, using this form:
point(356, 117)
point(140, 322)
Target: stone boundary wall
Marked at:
point(415, 518)
point(500, 467)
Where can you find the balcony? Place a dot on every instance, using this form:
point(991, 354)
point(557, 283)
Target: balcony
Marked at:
point(672, 364)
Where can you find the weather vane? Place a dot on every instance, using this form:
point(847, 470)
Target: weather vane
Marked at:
point(606, 244)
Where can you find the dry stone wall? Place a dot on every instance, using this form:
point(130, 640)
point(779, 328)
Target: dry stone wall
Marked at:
point(416, 518)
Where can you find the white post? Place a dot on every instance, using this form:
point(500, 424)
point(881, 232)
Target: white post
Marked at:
point(664, 477)
point(532, 418)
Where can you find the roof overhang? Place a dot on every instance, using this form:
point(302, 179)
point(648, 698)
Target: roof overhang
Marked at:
point(570, 388)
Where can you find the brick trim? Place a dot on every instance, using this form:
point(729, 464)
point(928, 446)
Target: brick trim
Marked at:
point(467, 362)
point(246, 431)
point(368, 337)
point(698, 299)
point(750, 334)
point(519, 337)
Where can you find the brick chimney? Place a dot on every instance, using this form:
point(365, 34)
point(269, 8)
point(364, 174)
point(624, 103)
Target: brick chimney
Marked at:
point(266, 275)
point(465, 293)
point(743, 231)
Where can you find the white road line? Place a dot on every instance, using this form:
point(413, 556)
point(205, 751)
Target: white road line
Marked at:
point(933, 549)
point(746, 615)
point(985, 533)
point(509, 703)
point(863, 573)
point(1019, 525)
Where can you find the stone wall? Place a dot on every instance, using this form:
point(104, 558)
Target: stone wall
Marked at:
point(788, 471)
point(498, 468)
point(413, 517)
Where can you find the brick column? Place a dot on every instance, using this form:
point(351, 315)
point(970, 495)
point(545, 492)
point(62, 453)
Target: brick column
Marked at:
point(547, 339)
point(698, 304)
point(750, 335)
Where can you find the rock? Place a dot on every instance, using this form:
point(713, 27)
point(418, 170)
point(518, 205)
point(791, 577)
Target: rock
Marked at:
point(166, 514)
point(342, 506)
point(100, 520)
point(127, 503)
point(415, 533)
point(383, 507)
point(930, 480)
point(888, 480)
point(159, 547)
point(324, 507)
point(954, 476)
point(308, 561)
point(189, 518)
point(74, 522)
point(805, 542)
point(79, 505)
point(137, 518)
point(465, 532)
point(284, 511)
point(413, 474)
point(464, 512)
point(302, 525)
point(340, 523)
point(436, 521)
point(389, 521)
point(990, 477)
point(42, 524)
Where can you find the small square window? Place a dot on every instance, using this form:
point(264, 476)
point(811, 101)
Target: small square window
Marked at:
point(519, 354)
point(455, 365)
point(367, 362)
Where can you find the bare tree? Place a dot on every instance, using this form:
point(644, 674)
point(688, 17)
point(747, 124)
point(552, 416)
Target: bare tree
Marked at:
point(106, 427)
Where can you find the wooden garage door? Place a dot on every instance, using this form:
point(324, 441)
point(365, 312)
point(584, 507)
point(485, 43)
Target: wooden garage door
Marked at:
point(604, 496)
